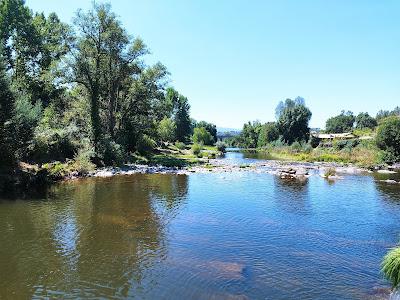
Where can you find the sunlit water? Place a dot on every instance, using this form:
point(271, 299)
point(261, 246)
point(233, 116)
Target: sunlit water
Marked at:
point(239, 235)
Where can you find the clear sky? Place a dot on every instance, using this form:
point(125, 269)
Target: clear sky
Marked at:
point(235, 60)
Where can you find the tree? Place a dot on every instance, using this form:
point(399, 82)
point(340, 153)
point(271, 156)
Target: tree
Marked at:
point(249, 136)
point(388, 138)
point(211, 128)
point(182, 119)
point(293, 121)
point(268, 133)
point(7, 157)
point(202, 136)
point(138, 112)
point(340, 123)
point(364, 120)
point(382, 114)
point(166, 130)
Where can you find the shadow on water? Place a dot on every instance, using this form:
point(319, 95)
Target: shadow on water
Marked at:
point(94, 232)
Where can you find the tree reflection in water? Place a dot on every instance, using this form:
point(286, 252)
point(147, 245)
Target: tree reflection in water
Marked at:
point(92, 233)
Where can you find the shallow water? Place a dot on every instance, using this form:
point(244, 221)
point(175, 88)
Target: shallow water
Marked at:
point(239, 235)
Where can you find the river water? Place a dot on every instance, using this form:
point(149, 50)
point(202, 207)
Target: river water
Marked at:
point(239, 235)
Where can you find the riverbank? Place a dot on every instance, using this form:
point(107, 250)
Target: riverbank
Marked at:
point(171, 160)
point(365, 156)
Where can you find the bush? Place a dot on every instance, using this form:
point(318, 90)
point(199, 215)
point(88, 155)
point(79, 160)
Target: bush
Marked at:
point(388, 138)
point(196, 149)
point(166, 130)
point(201, 135)
point(348, 144)
point(296, 146)
point(221, 146)
point(180, 145)
point(111, 153)
point(390, 266)
point(145, 144)
point(83, 161)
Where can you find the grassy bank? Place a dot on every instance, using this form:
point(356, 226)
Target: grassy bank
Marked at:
point(364, 155)
point(169, 155)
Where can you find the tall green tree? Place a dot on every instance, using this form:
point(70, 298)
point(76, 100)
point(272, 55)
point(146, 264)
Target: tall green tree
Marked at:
point(340, 123)
point(388, 138)
point(211, 128)
point(139, 114)
point(182, 119)
point(293, 118)
point(202, 136)
point(364, 120)
point(7, 157)
point(93, 27)
point(268, 133)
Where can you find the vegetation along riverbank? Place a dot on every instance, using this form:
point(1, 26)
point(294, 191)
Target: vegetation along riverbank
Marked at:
point(79, 97)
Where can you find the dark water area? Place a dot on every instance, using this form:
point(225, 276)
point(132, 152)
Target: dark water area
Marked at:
point(238, 235)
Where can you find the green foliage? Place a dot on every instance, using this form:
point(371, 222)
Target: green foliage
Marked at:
point(249, 136)
point(145, 144)
point(293, 120)
point(221, 146)
point(383, 114)
point(7, 111)
point(111, 153)
point(364, 120)
point(341, 123)
point(166, 130)
point(211, 128)
point(388, 138)
point(390, 266)
point(182, 119)
point(54, 140)
point(26, 118)
point(196, 149)
point(345, 144)
point(180, 145)
point(268, 133)
point(202, 136)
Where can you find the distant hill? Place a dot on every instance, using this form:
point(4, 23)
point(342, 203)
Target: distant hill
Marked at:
point(226, 129)
point(224, 132)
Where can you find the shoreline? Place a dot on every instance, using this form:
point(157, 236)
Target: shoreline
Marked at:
point(283, 169)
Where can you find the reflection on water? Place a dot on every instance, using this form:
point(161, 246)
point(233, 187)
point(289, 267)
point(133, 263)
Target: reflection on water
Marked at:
point(204, 236)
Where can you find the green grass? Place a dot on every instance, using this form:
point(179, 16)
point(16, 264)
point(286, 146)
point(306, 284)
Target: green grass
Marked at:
point(360, 155)
point(390, 266)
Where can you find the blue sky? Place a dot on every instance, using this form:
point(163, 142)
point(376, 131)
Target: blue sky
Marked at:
point(235, 60)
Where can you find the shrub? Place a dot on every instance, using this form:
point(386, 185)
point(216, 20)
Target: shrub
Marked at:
point(388, 138)
point(111, 153)
point(201, 135)
point(145, 144)
point(166, 130)
point(196, 149)
point(390, 266)
point(348, 144)
point(296, 146)
point(180, 145)
point(83, 161)
point(221, 146)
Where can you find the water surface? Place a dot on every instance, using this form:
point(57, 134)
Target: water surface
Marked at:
point(237, 235)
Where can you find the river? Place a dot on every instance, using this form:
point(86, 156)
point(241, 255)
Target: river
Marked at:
point(239, 235)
